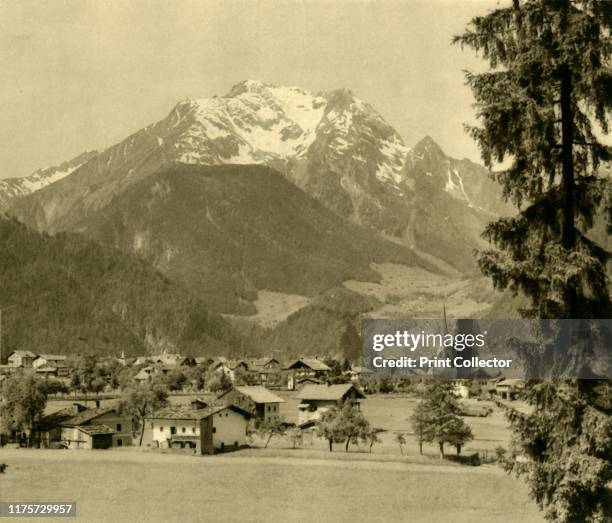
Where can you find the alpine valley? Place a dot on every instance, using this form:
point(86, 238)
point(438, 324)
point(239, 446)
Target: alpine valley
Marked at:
point(276, 207)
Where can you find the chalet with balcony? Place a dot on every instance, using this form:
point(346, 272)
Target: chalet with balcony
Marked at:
point(199, 426)
point(302, 368)
point(317, 399)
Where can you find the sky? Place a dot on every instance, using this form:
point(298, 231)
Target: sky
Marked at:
point(79, 75)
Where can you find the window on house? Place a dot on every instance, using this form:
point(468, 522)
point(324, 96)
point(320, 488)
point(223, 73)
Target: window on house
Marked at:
point(214, 429)
point(184, 430)
point(120, 442)
point(118, 427)
point(161, 429)
point(193, 430)
point(269, 408)
point(151, 424)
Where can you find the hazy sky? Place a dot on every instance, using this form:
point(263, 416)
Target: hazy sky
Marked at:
point(83, 74)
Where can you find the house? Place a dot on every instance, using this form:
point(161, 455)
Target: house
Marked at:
point(229, 367)
point(46, 371)
point(52, 360)
point(506, 389)
point(21, 358)
point(174, 360)
point(262, 403)
point(305, 367)
point(145, 374)
point(55, 365)
point(199, 426)
point(316, 399)
point(358, 373)
point(265, 370)
point(79, 427)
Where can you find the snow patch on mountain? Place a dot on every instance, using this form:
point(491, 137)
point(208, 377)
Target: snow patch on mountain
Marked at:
point(454, 186)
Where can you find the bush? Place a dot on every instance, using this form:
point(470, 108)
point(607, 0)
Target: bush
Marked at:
point(467, 459)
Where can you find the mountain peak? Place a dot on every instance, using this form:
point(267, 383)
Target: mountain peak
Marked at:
point(247, 86)
point(428, 148)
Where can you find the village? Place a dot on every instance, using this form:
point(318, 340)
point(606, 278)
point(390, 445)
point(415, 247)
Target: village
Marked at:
point(208, 405)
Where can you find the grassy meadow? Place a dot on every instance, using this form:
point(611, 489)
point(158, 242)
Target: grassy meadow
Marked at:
point(261, 485)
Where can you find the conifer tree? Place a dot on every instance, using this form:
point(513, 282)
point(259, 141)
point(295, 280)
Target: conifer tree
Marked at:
point(549, 84)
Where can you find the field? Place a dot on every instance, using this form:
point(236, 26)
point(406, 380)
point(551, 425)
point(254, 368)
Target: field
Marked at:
point(261, 485)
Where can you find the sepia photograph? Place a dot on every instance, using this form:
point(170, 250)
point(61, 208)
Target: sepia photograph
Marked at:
point(306, 260)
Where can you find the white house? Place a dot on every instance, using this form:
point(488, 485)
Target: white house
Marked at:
point(21, 358)
point(199, 426)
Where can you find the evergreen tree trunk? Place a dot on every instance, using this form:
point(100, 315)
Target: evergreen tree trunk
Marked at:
point(348, 440)
point(441, 445)
point(458, 450)
point(330, 444)
point(568, 238)
point(421, 447)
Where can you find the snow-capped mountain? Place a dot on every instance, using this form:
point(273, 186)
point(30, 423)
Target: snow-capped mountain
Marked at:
point(332, 145)
point(12, 188)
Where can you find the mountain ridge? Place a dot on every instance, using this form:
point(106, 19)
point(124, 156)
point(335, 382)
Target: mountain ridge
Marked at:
point(332, 145)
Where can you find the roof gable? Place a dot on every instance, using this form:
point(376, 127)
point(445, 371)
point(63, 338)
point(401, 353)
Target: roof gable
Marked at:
point(311, 363)
point(328, 392)
point(259, 394)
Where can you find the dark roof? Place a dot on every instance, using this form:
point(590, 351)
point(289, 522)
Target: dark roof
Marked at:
point(96, 430)
point(55, 419)
point(311, 363)
point(187, 412)
point(53, 357)
point(85, 417)
point(327, 392)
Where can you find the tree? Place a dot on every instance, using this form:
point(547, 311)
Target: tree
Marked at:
point(141, 400)
point(175, 379)
point(549, 85)
point(327, 427)
point(75, 381)
point(550, 82)
point(244, 377)
point(437, 415)
point(23, 403)
point(220, 382)
point(196, 375)
point(346, 424)
point(421, 423)
point(372, 438)
point(296, 436)
point(563, 446)
point(270, 428)
point(458, 434)
point(54, 387)
point(400, 439)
